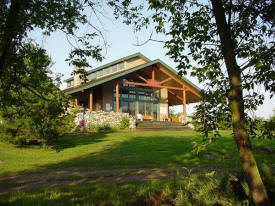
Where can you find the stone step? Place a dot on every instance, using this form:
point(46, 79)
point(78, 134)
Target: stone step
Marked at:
point(159, 125)
point(166, 129)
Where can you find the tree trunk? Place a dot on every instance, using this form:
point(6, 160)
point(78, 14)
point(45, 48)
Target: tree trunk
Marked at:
point(11, 29)
point(236, 102)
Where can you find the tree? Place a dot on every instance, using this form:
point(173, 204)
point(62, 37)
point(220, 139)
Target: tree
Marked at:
point(20, 17)
point(35, 118)
point(228, 45)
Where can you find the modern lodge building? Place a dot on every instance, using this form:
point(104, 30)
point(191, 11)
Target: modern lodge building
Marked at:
point(134, 85)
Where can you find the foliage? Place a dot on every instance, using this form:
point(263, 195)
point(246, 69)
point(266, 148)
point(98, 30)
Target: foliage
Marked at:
point(35, 119)
point(18, 18)
point(260, 128)
point(125, 123)
point(100, 128)
point(198, 189)
point(173, 113)
point(228, 45)
point(210, 114)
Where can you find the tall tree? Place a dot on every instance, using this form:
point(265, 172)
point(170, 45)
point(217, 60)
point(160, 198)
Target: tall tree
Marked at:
point(18, 18)
point(228, 45)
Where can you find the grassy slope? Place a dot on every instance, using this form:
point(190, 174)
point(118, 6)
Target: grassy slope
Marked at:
point(124, 150)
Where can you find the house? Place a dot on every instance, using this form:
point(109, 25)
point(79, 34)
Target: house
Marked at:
point(136, 85)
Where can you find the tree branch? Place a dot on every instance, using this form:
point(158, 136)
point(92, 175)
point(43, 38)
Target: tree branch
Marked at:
point(162, 41)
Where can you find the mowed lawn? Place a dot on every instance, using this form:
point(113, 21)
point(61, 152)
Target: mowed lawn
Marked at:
point(126, 149)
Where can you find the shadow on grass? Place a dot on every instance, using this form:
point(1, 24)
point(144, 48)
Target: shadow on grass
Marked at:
point(135, 152)
point(96, 194)
point(75, 139)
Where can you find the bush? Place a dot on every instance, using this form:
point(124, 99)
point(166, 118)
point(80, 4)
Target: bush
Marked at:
point(101, 128)
point(43, 122)
point(33, 110)
point(199, 189)
point(125, 123)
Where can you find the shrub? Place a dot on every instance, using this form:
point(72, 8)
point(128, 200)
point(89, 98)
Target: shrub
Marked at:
point(125, 123)
point(43, 122)
point(33, 109)
point(100, 128)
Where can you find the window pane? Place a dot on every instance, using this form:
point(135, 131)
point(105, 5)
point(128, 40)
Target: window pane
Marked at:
point(107, 71)
point(91, 76)
point(99, 73)
point(148, 108)
point(132, 94)
point(124, 93)
point(124, 107)
point(121, 66)
point(141, 108)
point(132, 108)
point(155, 111)
point(114, 68)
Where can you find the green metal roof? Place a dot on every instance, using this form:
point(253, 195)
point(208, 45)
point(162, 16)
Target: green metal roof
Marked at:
point(110, 77)
point(113, 63)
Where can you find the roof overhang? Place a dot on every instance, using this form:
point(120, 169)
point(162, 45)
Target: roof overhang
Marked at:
point(114, 62)
point(189, 85)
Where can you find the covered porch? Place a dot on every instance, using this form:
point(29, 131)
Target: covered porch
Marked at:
point(144, 93)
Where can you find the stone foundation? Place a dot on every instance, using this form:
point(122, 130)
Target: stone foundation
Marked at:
point(101, 118)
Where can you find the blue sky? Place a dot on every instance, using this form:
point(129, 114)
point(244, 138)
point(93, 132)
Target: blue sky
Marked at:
point(121, 40)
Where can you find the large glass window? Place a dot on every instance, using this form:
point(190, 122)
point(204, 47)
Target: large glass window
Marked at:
point(137, 101)
point(145, 108)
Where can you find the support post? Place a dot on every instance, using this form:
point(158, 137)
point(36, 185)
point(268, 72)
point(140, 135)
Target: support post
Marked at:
point(91, 100)
point(76, 101)
point(153, 74)
point(184, 104)
point(117, 97)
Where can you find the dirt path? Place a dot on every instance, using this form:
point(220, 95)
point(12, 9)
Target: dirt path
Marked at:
point(75, 176)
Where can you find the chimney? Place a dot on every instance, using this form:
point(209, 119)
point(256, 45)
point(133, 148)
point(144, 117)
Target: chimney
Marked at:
point(77, 80)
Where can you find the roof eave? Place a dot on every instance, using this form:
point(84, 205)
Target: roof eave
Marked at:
point(138, 54)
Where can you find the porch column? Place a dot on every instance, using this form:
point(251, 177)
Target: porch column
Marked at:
point(76, 101)
point(153, 73)
point(117, 97)
point(91, 100)
point(184, 103)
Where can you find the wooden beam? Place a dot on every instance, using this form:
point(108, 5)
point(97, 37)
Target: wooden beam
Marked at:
point(91, 100)
point(175, 95)
point(165, 80)
point(170, 75)
point(184, 104)
point(117, 97)
point(153, 73)
point(141, 77)
point(145, 85)
point(180, 82)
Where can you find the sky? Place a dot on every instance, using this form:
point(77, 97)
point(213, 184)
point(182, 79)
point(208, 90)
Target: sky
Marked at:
point(121, 40)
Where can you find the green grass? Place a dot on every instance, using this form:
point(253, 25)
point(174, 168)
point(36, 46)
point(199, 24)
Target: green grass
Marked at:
point(197, 190)
point(127, 149)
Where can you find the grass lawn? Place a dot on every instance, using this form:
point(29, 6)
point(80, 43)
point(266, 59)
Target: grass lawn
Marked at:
point(202, 191)
point(136, 149)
